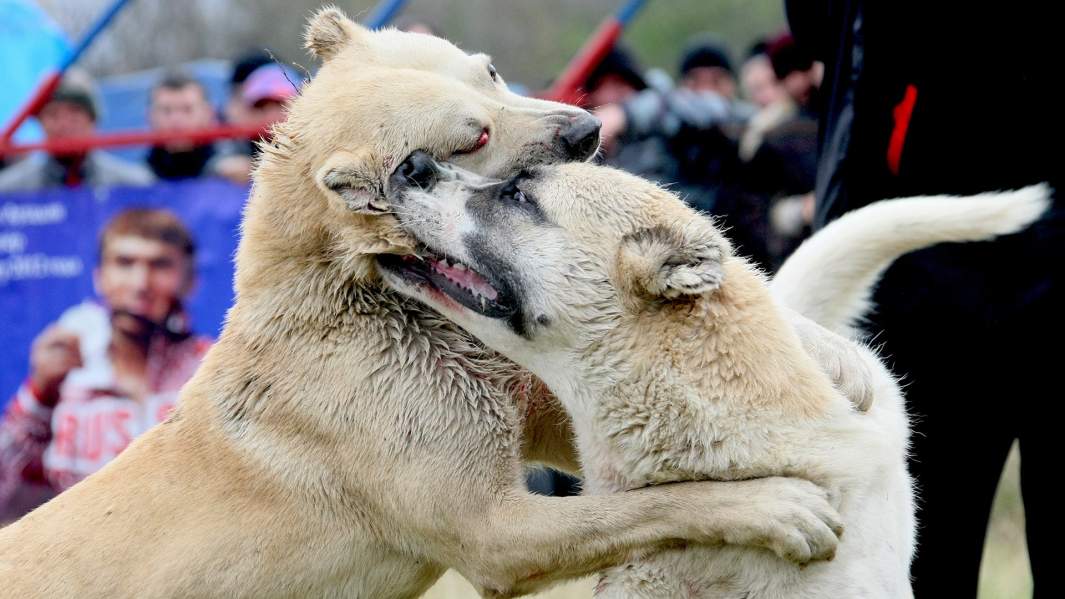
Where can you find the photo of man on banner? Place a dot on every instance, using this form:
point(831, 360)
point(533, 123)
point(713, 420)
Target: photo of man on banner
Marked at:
point(109, 368)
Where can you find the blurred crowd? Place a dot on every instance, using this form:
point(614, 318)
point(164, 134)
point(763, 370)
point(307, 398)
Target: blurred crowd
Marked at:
point(735, 142)
point(735, 139)
point(259, 87)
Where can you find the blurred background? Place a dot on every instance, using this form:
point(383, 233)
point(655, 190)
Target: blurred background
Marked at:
point(529, 42)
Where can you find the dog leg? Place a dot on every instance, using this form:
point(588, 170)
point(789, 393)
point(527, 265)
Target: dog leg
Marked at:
point(529, 542)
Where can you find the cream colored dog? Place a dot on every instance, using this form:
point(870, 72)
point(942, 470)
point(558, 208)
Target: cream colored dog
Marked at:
point(675, 359)
point(342, 440)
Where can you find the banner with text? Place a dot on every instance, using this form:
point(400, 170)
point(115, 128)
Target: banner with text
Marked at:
point(49, 245)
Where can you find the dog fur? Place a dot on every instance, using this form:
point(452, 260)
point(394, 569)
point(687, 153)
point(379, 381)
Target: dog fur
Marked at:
point(677, 362)
point(342, 440)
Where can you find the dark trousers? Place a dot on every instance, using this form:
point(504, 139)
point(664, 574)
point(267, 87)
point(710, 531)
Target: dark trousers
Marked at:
point(975, 330)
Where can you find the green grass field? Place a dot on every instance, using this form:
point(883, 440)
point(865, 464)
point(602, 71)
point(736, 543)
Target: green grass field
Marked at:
point(1004, 574)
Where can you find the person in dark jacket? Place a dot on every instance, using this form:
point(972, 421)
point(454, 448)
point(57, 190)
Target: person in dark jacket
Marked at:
point(783, 163)
point(71, 113)
point(685, 137)
point(180, 103)
point(928, 98)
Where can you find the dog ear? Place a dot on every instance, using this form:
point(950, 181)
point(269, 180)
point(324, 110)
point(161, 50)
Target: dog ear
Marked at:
point(683, 259)
point(328, 31)
point(349, 180)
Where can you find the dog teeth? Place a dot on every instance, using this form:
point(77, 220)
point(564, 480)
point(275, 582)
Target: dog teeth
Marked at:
point(483, 305)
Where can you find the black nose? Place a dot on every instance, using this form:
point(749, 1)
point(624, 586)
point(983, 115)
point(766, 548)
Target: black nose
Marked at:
point(418, 170)
point(580, 138)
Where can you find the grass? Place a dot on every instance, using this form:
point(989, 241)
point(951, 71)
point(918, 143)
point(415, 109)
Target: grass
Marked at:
point(1003, 575)
point(1004, 572)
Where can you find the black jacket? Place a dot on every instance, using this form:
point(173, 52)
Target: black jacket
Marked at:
point(981, 112)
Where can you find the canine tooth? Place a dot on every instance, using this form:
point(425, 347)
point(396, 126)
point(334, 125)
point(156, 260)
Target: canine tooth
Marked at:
point(482, 302)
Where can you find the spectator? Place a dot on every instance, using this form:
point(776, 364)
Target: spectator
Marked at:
point(758, 81)
point(235, 111)
point(105, 372)
point(681, 136)
point(266, 93)
point(264, 96)
point(928, 98)
point(780, 147)
point(179, 103)
point(797, 71)
point(615, 79)
point(71, 112)
point(413, 24)
point(762, 88)
point(686, 137)
point(706, 68)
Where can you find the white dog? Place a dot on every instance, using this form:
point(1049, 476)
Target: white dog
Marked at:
point(675, 360)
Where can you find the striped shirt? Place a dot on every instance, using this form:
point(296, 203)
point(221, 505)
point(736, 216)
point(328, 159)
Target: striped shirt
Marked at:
point(45, 450)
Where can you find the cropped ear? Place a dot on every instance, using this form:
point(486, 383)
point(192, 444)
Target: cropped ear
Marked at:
point(351, 181)
point(671, 261)
point(329, 31)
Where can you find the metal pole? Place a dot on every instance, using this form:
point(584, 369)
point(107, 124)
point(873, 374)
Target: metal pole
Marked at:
point(592, 53)
point(51, 81)
point(384, 12)
point(80, 145)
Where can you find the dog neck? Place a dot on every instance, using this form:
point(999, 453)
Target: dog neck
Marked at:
point(730, 351)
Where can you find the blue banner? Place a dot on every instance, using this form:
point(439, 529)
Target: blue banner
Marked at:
point(49, 247)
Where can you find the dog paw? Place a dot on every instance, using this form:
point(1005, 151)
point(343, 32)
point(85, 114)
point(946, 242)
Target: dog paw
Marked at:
point(842, 360)
point(852, 377)
point(793, 518)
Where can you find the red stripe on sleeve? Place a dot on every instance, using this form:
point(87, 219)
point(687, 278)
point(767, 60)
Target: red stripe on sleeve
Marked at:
point(902, 113)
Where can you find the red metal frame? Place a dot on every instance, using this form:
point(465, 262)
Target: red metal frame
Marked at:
point(80, 145)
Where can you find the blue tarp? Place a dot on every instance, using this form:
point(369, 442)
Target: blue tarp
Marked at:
point(30, 46)
point(48, 249)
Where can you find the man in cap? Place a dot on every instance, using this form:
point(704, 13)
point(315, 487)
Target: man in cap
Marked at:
point(705, 67)
point(264, 95)
point(71, 112)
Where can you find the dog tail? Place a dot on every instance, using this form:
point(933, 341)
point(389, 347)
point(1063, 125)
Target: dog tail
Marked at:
point(830, 278)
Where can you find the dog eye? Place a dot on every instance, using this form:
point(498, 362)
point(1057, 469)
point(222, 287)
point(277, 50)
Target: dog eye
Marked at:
point(493, 73)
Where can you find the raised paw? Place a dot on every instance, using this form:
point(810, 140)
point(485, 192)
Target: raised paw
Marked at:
point(843, 360)
point(792, 518)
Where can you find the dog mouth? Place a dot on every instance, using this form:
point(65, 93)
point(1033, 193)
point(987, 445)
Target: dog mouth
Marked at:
point(458, 281)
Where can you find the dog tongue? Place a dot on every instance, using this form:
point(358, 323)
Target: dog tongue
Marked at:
point(467, 278)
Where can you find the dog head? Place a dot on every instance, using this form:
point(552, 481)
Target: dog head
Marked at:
point(381, 94)
point(545, 263)
point(319, 187)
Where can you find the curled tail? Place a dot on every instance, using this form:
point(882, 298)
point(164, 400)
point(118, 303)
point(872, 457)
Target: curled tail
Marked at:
point(830, 278)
